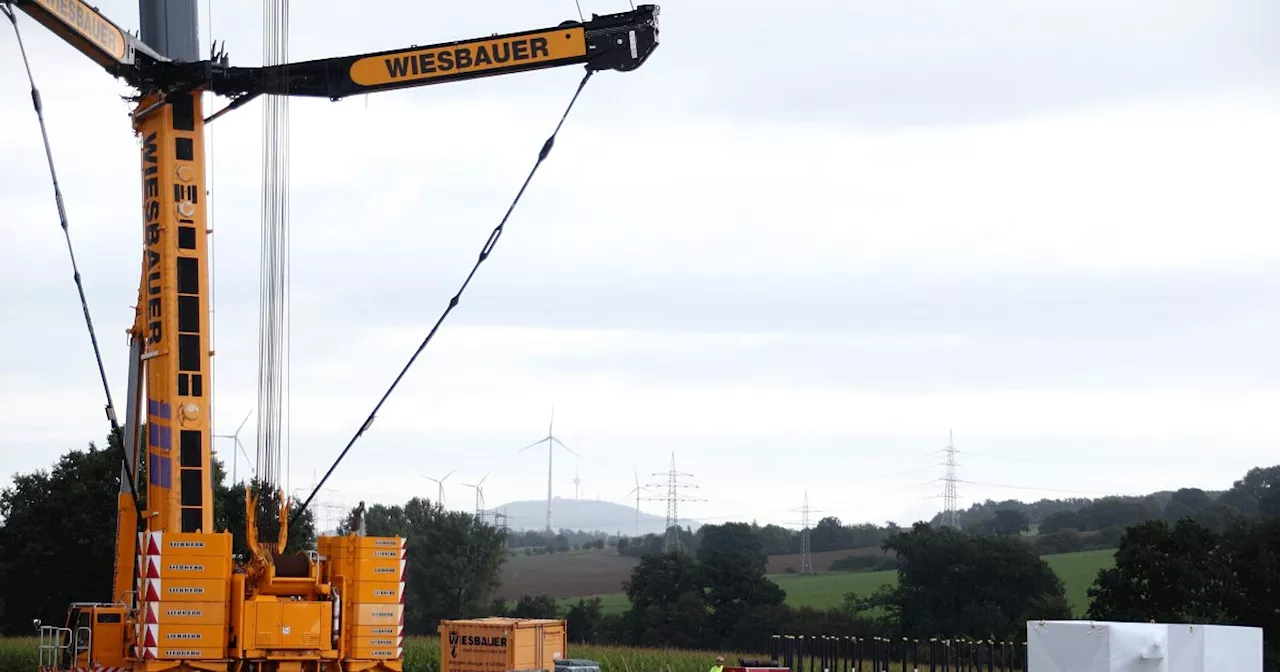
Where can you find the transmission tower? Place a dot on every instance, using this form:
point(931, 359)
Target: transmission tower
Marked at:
point(806, 545)
point(950, 514)
point(502, 516)
point(671, 543)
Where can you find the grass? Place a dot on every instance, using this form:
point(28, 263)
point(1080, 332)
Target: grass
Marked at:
point(18, 654)
point(422, 654)
point(825, 590)
point(1077, 571)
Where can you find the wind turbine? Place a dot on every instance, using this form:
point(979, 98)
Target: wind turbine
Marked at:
point(479, 488)
point(636, 491)
point(550, 439)
point(236, 437)
point(440, 482)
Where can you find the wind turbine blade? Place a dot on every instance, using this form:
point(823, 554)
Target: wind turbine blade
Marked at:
point(564, 446)
point(483, 479)
point(535, 443)
point(448, 475)
point(246, 419)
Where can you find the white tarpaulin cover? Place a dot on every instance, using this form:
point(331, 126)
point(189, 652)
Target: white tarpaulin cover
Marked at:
point(1106, 646)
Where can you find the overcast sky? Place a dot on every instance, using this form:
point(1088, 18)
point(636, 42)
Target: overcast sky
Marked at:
point(795, 248)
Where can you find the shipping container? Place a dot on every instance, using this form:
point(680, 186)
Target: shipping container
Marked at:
point(501, 644)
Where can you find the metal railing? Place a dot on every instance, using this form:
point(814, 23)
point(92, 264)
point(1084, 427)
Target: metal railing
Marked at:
point(843, 653)
point(83, 645)
point(54, 642)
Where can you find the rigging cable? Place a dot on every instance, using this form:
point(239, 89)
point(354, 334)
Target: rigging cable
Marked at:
point(274, 257)
point(453, 302)
point(84, 303)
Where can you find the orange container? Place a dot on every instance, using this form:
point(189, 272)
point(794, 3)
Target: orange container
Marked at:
point(501, 644)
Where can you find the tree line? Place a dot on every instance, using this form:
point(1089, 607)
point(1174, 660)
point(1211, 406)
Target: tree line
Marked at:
point(719, 596)
point(1211, 508)
point(828, 534)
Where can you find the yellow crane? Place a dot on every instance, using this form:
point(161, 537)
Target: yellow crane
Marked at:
point(179, 599)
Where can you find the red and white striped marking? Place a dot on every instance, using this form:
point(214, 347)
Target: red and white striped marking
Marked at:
point(404, 554)
point(147, 632)
point(151, 592)
point(404, 549)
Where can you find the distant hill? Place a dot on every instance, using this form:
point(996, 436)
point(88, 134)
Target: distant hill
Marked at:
point(588, 515)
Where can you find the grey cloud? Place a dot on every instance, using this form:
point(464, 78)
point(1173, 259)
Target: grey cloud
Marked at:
point(927, 62)
point(884, 332)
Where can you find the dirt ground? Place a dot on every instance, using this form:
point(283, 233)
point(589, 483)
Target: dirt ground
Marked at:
point(575, 574)
point(583, 573)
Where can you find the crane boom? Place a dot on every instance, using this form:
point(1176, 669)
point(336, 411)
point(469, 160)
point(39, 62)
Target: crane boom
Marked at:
point(86, 29)
point(180, 601)
point(621, 41)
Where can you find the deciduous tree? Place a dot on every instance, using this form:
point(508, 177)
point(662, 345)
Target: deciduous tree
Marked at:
point(955, 583)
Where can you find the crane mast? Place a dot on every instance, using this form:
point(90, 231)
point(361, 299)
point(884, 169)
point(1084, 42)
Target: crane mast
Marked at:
point(179, 599)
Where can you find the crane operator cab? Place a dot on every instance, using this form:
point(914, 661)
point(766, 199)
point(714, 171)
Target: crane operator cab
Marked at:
point(92, 638)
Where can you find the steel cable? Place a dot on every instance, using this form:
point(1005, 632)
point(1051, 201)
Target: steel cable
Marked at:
point(84, 303)
point(453, 302)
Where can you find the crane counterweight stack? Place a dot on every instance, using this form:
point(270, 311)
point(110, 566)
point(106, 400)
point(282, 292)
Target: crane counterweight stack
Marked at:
point(180, 600)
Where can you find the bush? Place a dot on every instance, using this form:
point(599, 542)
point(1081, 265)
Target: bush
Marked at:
point(1108, 537)
point(864, 563)
point(1066, 540)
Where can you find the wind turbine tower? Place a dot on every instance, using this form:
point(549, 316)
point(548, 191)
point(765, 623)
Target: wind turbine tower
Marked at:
point(577, 492)
point(551, 441)
point(636, 491)
point(440, 483)
point(479, 488)
point(237, 447)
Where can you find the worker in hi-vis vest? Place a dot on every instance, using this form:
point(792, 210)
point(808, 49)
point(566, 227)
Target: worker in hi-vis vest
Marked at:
point(719, 666)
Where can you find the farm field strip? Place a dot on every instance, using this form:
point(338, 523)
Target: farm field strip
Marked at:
point(826, 590)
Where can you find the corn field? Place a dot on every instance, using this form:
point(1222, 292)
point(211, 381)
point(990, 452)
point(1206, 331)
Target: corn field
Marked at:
point(422, 654)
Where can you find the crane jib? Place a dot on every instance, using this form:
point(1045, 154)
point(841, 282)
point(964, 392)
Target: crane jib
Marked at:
point(459, 59)
point(89, 24)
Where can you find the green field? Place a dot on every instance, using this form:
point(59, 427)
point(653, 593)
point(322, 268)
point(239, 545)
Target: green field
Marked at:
point(1077, 571)
point(422, 654)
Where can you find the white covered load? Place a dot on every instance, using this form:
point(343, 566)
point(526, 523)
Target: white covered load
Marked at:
point(1107, 646)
